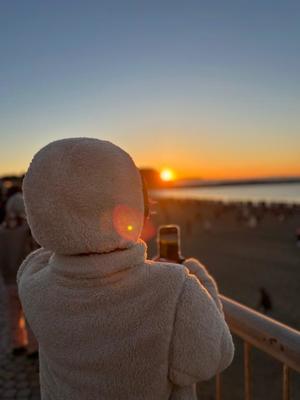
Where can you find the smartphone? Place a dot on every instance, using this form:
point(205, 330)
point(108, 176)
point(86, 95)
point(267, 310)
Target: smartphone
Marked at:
point(168, 244)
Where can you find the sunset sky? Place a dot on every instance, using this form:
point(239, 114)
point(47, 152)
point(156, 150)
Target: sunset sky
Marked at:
point(209, 89)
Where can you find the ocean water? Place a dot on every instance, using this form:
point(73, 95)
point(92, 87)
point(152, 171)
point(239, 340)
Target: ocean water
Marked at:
point(270, 193)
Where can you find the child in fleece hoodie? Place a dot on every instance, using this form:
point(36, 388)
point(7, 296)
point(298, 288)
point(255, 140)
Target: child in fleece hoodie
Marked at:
point(111, 324)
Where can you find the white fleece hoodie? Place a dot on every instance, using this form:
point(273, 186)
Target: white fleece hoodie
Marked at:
point(110, 323)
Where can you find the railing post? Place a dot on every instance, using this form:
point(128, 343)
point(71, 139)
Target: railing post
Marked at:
point(218, 387)
point(286, 382)
point(268, 335)
point(247, 371)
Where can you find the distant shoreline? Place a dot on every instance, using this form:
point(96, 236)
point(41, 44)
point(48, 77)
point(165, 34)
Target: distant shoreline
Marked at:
point(235, 182)
point(269, 192)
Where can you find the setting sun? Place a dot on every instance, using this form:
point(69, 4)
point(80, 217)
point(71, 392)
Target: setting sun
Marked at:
point(167, 175)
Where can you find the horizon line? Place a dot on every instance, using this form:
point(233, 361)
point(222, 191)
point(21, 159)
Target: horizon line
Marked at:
point(200, 179)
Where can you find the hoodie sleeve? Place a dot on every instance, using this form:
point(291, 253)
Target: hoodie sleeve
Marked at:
point(198, 269)
point(201, 344)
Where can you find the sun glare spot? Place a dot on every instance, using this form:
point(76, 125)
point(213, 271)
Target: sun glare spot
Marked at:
point(129, 228)
point(167, 175)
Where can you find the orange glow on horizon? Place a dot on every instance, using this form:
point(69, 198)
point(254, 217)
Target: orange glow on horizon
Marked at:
point(239, 173)
point(220, 172)
point(192, 162)
point(234, 161)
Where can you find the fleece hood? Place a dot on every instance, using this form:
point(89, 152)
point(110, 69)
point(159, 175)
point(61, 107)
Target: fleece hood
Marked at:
point(83, 196)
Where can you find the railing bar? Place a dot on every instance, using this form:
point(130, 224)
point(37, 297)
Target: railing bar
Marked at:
point(247, 371)
point(218, 387)
point(272, 337)
point(268, 335)
point(286, 382)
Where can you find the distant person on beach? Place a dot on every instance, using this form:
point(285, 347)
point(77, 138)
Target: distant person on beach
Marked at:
point(298, 237)
point(15, 244)
point(265, 302)
point(110, 323)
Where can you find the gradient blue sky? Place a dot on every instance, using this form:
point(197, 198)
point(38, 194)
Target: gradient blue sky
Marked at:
point(211, 89)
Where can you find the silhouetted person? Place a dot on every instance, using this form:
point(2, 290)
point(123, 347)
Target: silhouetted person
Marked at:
point(298, 237)
point(15, 244)
point(265, 302)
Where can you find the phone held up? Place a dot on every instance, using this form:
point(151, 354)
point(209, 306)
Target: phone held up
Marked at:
point(168, 244)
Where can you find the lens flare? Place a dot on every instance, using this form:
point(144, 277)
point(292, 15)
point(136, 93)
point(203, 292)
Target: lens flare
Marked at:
point(127, 222)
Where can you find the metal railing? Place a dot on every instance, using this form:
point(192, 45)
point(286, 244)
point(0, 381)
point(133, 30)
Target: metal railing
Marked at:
point(270, 336)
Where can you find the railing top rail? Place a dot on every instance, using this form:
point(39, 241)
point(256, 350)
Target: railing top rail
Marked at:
point(270, 336)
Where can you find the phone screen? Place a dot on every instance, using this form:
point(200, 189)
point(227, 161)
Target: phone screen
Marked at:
point(169, 243)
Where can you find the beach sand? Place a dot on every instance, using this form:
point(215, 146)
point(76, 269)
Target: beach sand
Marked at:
point(243, 256)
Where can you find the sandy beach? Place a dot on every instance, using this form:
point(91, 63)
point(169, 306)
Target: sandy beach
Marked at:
point(243, 254)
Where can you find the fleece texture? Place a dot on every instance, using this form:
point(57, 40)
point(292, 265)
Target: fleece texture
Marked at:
point(83, 195)
point(111, 324)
